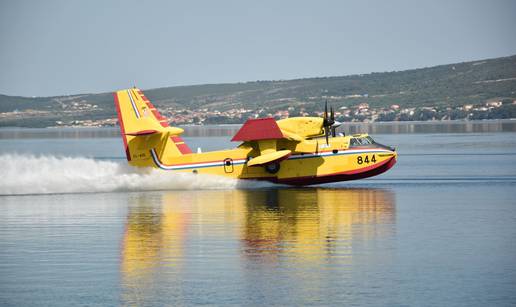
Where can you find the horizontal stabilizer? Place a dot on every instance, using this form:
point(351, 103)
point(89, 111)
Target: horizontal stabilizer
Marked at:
point(146, 132)
point(268, 158)
point(142, 132)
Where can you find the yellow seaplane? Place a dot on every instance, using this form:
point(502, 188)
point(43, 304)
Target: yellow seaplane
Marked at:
point(294, 151)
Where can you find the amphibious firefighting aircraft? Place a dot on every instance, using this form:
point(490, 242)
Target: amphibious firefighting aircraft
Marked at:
point(295, 151)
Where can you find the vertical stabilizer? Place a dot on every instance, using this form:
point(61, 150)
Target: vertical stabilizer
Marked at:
point(144, 130)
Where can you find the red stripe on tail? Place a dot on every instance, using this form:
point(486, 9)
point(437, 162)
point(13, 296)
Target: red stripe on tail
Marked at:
point(183, 148)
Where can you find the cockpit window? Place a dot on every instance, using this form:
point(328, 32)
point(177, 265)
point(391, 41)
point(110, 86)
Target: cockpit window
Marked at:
point(363, 141)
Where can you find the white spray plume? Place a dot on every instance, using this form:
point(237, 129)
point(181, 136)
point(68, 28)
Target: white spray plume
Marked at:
point(24, 174)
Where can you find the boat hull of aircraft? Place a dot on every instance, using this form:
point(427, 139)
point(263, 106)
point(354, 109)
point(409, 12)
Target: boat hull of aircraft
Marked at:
point(361, 173)
point(306, 169)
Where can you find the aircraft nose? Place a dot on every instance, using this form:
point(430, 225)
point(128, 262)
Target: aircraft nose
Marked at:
point(395, 153)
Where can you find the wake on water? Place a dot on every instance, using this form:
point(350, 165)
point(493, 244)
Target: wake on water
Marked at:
point(25, 174)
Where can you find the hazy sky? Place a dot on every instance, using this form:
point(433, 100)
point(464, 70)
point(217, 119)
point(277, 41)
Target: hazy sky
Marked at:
point(68, 47)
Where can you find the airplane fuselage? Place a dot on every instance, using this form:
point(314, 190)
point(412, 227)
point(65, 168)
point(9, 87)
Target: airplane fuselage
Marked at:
point(297, 150)
point(336, 161)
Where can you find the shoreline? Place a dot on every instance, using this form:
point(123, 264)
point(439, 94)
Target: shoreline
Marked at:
point(373, 128)
point(407, 122)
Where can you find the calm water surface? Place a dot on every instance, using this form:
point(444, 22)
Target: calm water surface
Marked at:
point(437, 229)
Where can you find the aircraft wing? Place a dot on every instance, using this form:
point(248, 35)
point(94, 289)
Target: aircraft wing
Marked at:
point(265, 133)
point(258, 129)
point(263, 129)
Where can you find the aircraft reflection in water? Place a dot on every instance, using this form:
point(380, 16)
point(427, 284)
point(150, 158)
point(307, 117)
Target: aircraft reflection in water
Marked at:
point(179, 236)
point(315, 224)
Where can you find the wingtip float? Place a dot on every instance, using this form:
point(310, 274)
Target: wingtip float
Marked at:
point(295, 151)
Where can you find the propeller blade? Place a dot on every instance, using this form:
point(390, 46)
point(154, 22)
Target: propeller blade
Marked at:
point(328, 123)
point(326, 111)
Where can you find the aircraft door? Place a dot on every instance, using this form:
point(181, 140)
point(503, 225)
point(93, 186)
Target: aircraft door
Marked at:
point(228, 165)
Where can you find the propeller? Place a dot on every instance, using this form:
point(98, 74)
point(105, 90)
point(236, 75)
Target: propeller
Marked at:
point(329, 124)
point(326, 122)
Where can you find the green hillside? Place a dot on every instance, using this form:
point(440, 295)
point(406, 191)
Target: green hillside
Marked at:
point(440, 86)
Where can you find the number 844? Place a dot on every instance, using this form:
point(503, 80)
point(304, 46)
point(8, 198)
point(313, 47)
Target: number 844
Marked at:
point(362, 160)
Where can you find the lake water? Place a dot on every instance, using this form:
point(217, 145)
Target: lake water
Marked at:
point(79, 227)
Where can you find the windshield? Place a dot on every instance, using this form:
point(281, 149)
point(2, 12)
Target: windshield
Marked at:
point(362, 141)
point(367, 141)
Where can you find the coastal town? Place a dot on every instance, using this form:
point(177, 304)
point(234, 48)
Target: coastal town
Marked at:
point(358, 113)
point(361, 112)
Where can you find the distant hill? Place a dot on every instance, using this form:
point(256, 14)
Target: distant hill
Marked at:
point(444, 85)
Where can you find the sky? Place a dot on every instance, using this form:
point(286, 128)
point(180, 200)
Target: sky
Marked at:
point(66, 47)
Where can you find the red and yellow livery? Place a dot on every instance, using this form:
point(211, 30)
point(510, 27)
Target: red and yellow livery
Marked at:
point(296, 151)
